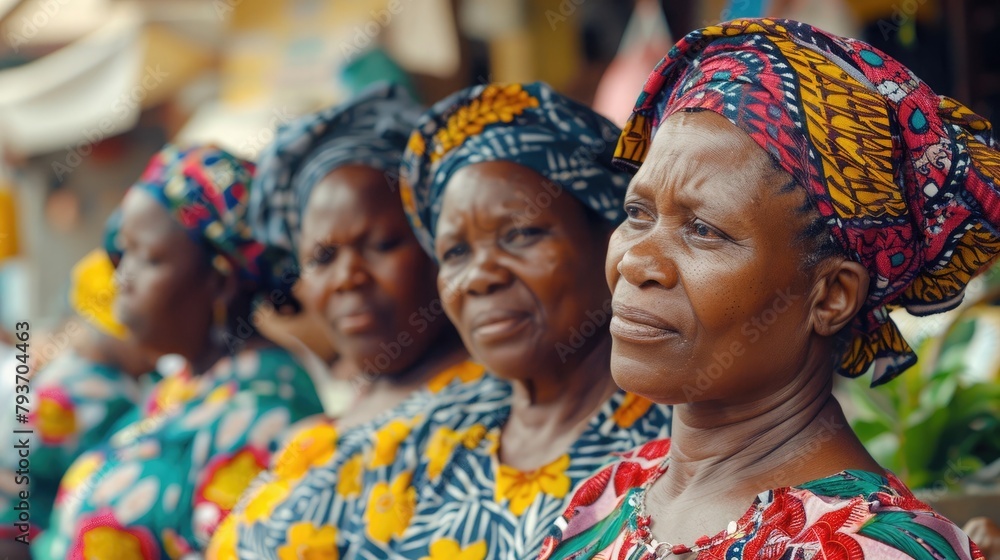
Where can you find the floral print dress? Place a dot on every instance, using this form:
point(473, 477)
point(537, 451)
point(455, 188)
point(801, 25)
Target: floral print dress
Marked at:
point(74, 402)
point(330, 489)
point(468, 505)
point(159, 486)
point(851, 515)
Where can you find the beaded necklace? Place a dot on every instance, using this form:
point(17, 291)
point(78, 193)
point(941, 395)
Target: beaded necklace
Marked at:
point(664, 550)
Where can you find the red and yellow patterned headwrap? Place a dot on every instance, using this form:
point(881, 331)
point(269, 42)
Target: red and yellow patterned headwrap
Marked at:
point(907, 180)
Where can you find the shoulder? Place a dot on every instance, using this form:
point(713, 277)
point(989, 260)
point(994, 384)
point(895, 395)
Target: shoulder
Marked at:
point(871, 515)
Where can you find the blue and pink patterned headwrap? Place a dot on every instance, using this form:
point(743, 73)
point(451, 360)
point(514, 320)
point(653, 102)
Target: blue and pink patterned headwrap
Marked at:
point(906, 180)
point(370, 129)
point(527, 124)
point(205, 190)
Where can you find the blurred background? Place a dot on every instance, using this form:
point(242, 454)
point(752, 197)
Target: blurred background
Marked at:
point(90, 89)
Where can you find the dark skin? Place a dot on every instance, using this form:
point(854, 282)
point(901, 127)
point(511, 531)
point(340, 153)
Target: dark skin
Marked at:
point(169, 288)
point(704, 252)
point(366, 274)
point(122, 354)
point(518, 274)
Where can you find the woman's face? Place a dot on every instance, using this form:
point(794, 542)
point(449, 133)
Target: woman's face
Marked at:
point(520, 270)
point(166, 297)
point(365, 272)
point(710, 302)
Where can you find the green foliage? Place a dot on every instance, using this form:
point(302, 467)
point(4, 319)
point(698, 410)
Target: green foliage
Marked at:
point(934, 424)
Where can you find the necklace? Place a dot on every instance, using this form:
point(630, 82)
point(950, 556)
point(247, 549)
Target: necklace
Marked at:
point(662, 550)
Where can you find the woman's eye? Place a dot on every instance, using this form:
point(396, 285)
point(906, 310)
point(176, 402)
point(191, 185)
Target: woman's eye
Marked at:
point(636, 212)
point(523, 234)
point(454, 252)
point(701, 229)
point(323, 255)
point(387, 245)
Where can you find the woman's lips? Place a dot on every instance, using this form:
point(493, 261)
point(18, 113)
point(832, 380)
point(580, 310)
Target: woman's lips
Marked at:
point(356, 322)
point(494, 327)
point(636, 325)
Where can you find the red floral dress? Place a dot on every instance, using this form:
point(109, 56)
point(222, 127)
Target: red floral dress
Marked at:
point(852, 515)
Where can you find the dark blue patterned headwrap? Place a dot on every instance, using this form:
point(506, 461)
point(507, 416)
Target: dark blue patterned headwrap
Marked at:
point(527, 124)
point(370, 129)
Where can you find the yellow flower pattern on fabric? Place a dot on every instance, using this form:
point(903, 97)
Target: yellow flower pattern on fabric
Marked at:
point(221, 393)
point(521, 488)
point(223, 543)
point(349, 482)
point(387, 441)
point(308, 542)
point(175, 390)
point(442, 445)
point(390, 508)
point(175, 545)
point(312, 446)
point(465, 371)
point(633, 407)
point(232, 479)
point(267, 497)
point(109, 542)
point(56, 420)
point(448, 549)
point(81, 470)
point(495, 104)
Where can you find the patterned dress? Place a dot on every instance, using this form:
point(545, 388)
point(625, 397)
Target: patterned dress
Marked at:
point(329, 489)
point(470, 506)
point(851, 515)
point(74, 402)
point(158, 487)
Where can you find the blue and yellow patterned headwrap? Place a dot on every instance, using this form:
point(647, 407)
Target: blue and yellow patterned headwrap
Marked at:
point(527, 124)
point(370, 129)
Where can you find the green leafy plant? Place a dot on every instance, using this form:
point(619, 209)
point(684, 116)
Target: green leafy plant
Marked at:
point(937, 423)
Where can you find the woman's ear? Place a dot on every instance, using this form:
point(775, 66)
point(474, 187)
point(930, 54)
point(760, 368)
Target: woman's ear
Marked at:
point(840, 292)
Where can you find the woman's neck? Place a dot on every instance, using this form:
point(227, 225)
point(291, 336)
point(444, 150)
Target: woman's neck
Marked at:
point(549, 412)
point(384, 392)
point(792, 436)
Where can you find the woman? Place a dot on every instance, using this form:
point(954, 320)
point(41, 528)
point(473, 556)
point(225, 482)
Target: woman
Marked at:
point(77, 398)
point(511, 189)
point(793, 187)
point(365, 273)
point(190, 277)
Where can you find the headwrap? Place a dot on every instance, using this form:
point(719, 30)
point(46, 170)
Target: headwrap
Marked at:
point(92, 292)
point(370, 130)
point(905, 179)
point(527, 124)
point(205, 190)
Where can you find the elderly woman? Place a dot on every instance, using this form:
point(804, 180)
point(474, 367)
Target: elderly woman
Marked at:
point(794, 186)
point(190, 277)
point(326, 188)
point(511, 189)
